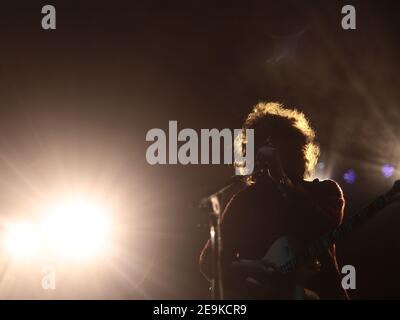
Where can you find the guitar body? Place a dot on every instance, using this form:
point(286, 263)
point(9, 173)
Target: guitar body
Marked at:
point(281, 252)
point(264, 282)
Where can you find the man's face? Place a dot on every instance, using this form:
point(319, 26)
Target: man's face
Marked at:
point(292, 159)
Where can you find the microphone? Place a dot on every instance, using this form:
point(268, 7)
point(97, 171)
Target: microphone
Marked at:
point(263, 156)
point(265, 151)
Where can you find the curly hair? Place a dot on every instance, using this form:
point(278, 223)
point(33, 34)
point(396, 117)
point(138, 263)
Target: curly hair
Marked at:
point(273, 122)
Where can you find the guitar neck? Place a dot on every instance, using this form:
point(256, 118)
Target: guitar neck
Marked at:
point(320, 246)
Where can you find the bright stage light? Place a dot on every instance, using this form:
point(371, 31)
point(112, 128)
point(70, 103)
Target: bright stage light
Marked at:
point(387, 170)
point(350, 176)
point(22, 240)
point(77, 228)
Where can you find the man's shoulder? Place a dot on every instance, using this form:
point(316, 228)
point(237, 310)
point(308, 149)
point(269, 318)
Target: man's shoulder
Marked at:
point(329, 187)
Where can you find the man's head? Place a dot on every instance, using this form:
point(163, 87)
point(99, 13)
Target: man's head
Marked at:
point(287, 130)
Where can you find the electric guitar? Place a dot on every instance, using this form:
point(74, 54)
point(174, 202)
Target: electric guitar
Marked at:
point(285, 260)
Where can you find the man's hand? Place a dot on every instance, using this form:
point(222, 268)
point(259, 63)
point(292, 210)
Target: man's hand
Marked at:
point(306, 272)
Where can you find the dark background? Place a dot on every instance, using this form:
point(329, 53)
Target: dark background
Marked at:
point(76, 103)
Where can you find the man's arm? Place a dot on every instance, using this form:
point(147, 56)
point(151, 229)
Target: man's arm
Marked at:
point(324, 206)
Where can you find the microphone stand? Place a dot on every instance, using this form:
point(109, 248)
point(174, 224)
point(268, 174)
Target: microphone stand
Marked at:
point(212, 206)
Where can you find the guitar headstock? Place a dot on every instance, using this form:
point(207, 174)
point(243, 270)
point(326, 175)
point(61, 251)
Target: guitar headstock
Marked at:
point(393, 194)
